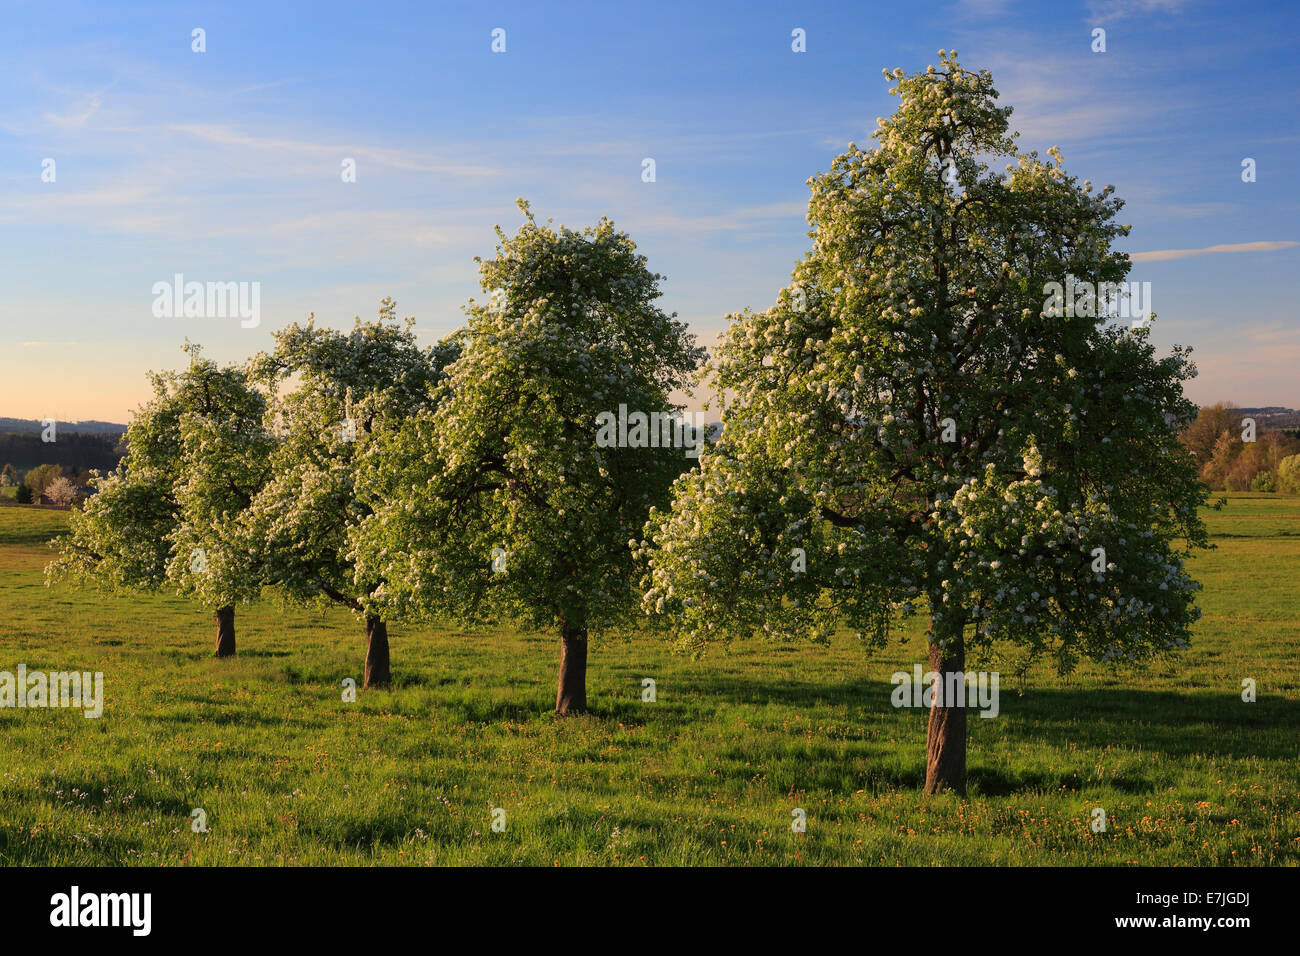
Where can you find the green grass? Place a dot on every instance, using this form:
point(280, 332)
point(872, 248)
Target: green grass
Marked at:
point(709, 774)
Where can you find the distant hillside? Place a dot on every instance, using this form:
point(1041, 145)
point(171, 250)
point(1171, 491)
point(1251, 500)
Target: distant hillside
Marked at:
point(32, 426)
point(1271, 416)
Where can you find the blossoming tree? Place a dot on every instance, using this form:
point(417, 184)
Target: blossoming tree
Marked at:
point(500, 504)
point(347, 386)
point(914, 426)
point(169, 514)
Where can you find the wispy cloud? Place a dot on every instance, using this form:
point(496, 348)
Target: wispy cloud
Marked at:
point(1111, 11)
point(1274, 333)
point(980, 8)
point(736, 221)
point(80, 116)
point(1161, 255)
point(1048, 112)
point(395, 158)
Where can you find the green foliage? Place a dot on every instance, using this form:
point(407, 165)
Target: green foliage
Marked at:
point(1288, 475)
point(40, 477)
point(349, 385)
point(223, 463)
point(168, 514)
point(507, 461)
point(920, 311)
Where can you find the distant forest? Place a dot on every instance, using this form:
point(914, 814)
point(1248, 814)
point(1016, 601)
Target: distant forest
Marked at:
point(75, 451)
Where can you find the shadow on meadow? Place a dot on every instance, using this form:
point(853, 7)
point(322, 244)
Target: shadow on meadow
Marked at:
point(1087, 723)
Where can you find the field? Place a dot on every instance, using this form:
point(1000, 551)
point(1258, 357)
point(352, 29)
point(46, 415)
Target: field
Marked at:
point(288, 773)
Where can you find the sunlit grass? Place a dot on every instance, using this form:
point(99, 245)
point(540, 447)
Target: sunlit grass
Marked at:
point(709, 774)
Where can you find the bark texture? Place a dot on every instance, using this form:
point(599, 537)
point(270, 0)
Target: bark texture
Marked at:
point(571, 694)
point(226, 631)
point(945, 745)
point(377, 672)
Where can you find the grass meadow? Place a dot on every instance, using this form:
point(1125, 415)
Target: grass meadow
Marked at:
point(709, 774)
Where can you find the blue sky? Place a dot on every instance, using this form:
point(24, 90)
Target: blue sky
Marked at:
point(225, 165)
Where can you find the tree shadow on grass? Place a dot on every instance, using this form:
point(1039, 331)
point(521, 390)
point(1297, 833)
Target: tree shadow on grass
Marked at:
point(485, 710)
point(1171, 723)
point(414, 678)
point(378, 829)
point(237, 718)
point(1167, 722)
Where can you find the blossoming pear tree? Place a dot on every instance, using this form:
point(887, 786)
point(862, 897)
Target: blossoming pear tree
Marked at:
point(346, 385)
point(916, 427)
point(499, 503)
point(168, 515)
point(225, 463)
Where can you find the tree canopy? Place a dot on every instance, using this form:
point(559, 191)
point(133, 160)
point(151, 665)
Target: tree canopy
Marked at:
point(498, 502)
point(918, 419)
point(346, 385)
point(169, 514)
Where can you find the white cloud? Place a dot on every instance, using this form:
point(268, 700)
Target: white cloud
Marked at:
point(90, 106)
point(1110, 11)
point(740, 221)
point(981, 8)
point(1161, 255)
point(395, 158)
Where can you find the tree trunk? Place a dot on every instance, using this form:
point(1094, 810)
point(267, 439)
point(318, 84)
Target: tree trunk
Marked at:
point(571, 695)
point(377, 672)
point(945, 745)
point(226, 631)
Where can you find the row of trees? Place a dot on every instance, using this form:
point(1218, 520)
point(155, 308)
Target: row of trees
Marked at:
point(906, 430)
point(1227, 461)
point(479, 447)
point(229, 487)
